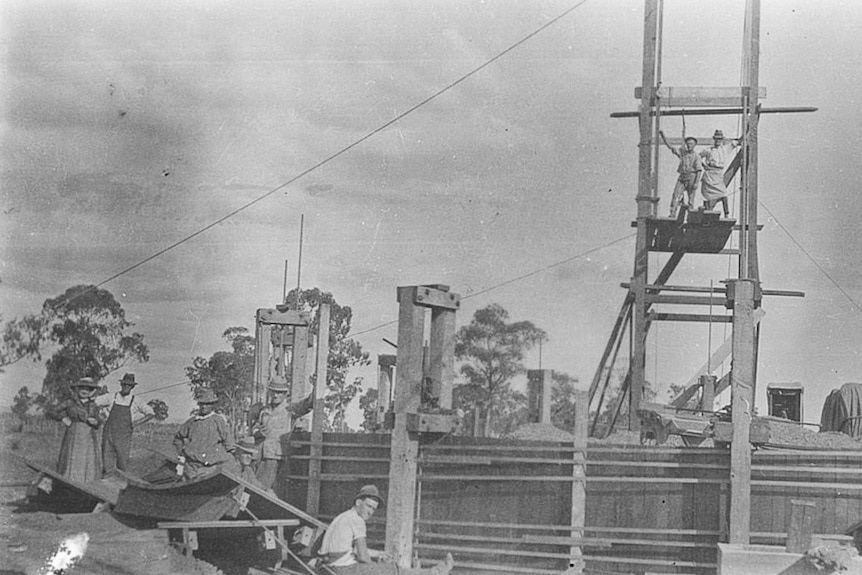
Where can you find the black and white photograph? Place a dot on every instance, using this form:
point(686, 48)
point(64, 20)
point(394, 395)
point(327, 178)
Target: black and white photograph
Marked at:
point(468, 287)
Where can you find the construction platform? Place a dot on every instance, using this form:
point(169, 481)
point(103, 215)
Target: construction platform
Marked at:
point(699, 231)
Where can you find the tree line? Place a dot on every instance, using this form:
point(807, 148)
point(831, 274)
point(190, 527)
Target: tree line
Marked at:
point(89, 336)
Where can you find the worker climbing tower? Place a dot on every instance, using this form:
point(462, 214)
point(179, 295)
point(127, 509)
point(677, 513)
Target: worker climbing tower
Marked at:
point(649, 295)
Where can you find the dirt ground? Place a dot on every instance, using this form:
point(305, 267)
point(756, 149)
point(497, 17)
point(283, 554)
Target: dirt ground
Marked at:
point(117, 546)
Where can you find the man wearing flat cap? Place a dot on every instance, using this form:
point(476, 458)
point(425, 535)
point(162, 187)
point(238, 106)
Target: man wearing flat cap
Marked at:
point(124, 414)
point(690, 170)
point(344, 549)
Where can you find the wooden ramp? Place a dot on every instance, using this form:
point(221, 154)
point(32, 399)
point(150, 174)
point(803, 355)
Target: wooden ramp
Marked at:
point(64, 490)
point(207, 498)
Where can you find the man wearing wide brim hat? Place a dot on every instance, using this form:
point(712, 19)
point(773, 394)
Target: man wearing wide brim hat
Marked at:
point(124, 414)
point(345, 551)
point(273, 425)
point(204, 441)
point(716, 159)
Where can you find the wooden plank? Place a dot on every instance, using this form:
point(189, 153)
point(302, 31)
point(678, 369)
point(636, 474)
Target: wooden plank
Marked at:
point(317, 413)
point(405, 449)
point(429, 296)
point(502, 478)
point(698, 96)
point(675, 141)
point(789, 485)
point(736, 110)
point(587, 528)
point(685, 300)
point(442, 347)
point(703, 318)
point(286, 317)
point(579, 473)
point(275, 501)
point(742, 382)
point(499, 568)
point(106, 491)
point(228, 524)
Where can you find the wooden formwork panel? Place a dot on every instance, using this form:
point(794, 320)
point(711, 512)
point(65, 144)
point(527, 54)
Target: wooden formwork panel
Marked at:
point(499, 504)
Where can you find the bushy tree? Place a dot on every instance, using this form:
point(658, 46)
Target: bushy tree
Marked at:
point(563, 400)
point(368, 403)
point(92, 336)
point(21, 404)
point(22, 337)
point(492, 351)
point(160, 409)
point(230, 374)
point(344, 353)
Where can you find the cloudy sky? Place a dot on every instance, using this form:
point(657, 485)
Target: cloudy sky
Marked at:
point(127, 127)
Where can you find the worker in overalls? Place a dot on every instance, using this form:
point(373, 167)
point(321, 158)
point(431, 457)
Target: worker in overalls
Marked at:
point(125, 413)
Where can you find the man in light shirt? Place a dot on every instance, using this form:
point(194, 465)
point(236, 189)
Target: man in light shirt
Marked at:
point(345, 551)
point(125, 413)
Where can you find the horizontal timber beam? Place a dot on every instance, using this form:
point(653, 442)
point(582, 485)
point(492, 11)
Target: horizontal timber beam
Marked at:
point(698, 96)
point(717, 112)
point(685, 300)
point(706, 289)
point(661, 316)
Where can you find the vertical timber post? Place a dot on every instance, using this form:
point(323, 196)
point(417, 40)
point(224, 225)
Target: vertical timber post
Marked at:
point(405, 449)
point(299, 359)
point(317, 415)
point(442, 355)
point(707, 386)
point(579, 477)
point(540, 383)
point(742, 403)
point(646, 200)
point(413, 414)
point(385, 369)
point(262, 336)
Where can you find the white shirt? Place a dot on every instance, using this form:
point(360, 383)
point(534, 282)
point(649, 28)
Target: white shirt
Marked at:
point(341, 536)
point(139, 408)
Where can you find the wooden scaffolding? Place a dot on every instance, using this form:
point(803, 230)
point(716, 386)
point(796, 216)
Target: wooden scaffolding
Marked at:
point(694, 232)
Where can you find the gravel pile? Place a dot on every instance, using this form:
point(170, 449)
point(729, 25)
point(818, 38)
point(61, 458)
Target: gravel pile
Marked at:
point(540, 432)
point(781, 433)
point(791, 434)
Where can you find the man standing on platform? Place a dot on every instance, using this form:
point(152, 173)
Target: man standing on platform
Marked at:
point(690, 171)
point(716, 159)
point(275, 421)
point(125, 413)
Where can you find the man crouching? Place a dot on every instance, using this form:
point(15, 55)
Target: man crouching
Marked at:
point(344, 548)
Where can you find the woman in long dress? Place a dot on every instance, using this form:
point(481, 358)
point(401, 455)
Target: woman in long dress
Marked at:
point(80, 456)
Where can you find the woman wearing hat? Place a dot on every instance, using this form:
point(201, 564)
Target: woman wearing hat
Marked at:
point(204, 440)
point(716, 158)
point(80, 458)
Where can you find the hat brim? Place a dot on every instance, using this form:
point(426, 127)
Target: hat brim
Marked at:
point(377, 498)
